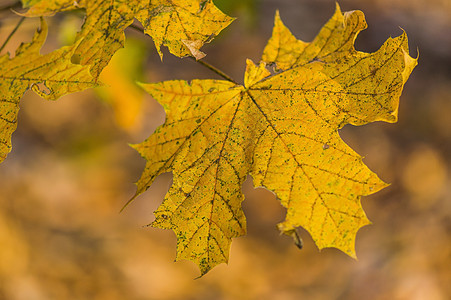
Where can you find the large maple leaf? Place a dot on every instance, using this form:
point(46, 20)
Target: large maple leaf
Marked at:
point(29, 69)
point(183, 26)
point(282, 129)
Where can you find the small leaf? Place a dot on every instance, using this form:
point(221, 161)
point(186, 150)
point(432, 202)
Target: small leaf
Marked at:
point(170, 22)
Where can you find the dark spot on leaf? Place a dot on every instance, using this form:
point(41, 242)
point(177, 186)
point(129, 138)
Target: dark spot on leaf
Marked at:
point(75, 59)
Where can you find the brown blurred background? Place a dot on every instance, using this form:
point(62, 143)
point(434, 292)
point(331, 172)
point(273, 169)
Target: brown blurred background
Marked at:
point(71, 170)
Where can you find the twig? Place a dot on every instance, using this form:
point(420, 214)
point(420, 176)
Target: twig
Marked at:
point(12, 33)
point(216, 70)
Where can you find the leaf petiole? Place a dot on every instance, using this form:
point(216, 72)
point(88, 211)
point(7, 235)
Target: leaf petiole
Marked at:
point(215, 70)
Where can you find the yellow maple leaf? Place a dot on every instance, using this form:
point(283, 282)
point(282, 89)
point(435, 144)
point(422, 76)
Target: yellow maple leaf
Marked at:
point(54, 72)
point(183, 26)
point(282, 129)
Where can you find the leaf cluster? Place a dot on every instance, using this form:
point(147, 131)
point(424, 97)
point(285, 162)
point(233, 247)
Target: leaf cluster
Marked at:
point(281, 126)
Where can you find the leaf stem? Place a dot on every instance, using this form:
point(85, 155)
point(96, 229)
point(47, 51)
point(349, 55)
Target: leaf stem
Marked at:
point(12, 33)
point(216, 70)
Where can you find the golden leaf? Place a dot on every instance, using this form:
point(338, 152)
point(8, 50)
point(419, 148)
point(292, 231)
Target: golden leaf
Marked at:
point(282, 129)
point(168, 22)
point(28, 69)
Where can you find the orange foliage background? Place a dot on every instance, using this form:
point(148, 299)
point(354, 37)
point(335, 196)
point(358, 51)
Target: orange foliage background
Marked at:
point(71, 170)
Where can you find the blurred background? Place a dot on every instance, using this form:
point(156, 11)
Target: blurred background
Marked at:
point(71, 170)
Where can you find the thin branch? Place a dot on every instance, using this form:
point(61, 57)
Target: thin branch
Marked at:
point(216, 70)
point(12, 33)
